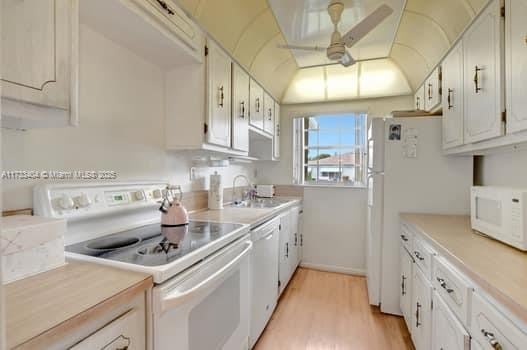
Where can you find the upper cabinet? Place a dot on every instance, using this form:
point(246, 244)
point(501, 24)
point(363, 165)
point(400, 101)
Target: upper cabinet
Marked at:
point(516, 63)
point(432, 90)
point(276, 138)
point(419, 99)
point(240, 108)
point(256, 110)
point(483, 74)
point(39, 63)
point(218, 129)
point(452, 99)
point(268, 114)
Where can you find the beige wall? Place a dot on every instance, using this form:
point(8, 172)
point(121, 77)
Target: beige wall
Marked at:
point(334, 218)
point(121, 127)
point(505, 169)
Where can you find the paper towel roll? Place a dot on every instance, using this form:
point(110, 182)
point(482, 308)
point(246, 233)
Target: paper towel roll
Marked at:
point(215, 192)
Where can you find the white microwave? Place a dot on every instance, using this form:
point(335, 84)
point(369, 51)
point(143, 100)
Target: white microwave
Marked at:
point(501, 213)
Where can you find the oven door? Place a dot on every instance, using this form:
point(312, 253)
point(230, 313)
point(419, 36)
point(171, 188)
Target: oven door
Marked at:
point(207, 307)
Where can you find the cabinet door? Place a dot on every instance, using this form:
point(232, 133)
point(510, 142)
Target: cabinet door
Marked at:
point(448, 333)
point(257, 105)
point(405, 297)
point(39, 54)
point(268, 113)
point(240, 109)
point(516, 63)
point(419, 99)
point(276, 137)
point(452, 71)
point(421, 311)
point(219, 96)
point(285, 266)
point(483, 76)
point(433, 90)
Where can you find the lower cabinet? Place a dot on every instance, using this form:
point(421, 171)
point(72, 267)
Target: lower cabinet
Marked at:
point(421, 328)
point(447, 333)
point(407, 263)
point(290, 245)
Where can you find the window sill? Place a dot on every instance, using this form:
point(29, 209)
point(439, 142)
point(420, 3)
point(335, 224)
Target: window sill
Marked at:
point(357, 187)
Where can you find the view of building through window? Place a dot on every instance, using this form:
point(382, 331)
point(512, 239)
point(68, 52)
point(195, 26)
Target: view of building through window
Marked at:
point(333, 149)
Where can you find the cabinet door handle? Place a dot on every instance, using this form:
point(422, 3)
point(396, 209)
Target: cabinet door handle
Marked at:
point(222, 97)
point(476, 79)
point(449, 98)
point(301, 240)
point(418, 103)
point(165, 7)
point(403, 285)
point(287, 249)
point(429, 91)
point(404, 238)
point(258, 105)
point(491, 339)
point(418, 255)
point(296, 239)
point(417, 314)
point(278, 130)
point(270, 114)
point(242, 107)
point(443, 285)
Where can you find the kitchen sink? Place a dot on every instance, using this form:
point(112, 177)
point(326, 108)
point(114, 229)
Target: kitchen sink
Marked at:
point(260, 203)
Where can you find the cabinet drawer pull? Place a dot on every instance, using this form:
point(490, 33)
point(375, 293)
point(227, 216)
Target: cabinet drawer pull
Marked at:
point(418, 255)
point(417, 323)
point(165, 7)
point(443, 285)
point(491, 339)
point(222, 97)
point(429, 91)
point(449, 99)
point(476, 79)
point(404, 238)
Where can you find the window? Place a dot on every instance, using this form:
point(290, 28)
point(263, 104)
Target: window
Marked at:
point(330, 150)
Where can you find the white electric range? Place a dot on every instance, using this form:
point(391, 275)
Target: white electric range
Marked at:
point(201, 297)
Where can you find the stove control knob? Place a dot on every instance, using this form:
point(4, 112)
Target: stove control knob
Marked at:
point(84, 200)
point(139, 195)
point(66, 202)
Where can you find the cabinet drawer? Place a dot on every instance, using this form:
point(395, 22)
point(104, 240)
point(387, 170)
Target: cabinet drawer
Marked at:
point(491, 329)
point(125, 332)
point(407, 237)
point(448, 333)
point(453, 287)
point(423, 255)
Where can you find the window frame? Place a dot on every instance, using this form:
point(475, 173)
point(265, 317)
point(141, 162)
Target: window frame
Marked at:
point(299, 149)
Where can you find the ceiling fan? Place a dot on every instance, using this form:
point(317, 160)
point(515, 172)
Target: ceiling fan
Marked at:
point(336, 51)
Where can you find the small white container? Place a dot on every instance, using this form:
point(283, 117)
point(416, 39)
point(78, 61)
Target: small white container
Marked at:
point(216, 192)
point(265, 191)
point(30, 245)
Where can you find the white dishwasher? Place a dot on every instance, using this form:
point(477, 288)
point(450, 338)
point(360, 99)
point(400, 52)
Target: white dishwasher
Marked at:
point(264, 276)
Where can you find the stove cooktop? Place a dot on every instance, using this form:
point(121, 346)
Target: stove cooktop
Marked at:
point(146, 246)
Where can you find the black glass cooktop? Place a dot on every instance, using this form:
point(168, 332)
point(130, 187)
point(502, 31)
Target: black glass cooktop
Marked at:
point(146, 245)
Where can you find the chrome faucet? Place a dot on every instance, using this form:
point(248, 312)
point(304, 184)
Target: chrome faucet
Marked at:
point(234, 188)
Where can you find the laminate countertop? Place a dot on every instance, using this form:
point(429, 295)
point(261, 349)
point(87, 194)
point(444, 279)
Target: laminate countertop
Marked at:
point(55, 301)
point(248, 216)
point(497, 268)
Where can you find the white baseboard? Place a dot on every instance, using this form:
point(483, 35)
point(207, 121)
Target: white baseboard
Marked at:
point(338, 269)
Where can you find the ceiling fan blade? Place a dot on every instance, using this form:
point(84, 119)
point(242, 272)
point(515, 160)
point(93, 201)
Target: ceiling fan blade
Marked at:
point(366, 25)
point(304, 48)
point(347, 60)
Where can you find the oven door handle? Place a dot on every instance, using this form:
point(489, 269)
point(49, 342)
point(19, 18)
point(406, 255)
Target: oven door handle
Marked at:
point(178, 296)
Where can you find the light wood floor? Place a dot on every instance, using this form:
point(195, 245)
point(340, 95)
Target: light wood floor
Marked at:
point(329, 311)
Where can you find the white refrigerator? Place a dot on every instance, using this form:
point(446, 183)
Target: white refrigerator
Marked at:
point(407, 172)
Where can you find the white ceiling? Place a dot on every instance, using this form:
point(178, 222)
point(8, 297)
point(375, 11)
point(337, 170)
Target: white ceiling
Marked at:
point(306, 22)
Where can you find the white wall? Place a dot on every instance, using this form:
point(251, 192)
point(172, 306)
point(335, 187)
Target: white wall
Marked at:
point(505, 169)
point(334, 218)
point(121, 127)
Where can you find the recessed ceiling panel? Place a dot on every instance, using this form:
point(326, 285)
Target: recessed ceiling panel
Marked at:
point(306, 22)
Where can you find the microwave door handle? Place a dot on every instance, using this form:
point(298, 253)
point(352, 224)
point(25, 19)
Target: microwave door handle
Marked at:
point(178, 297)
